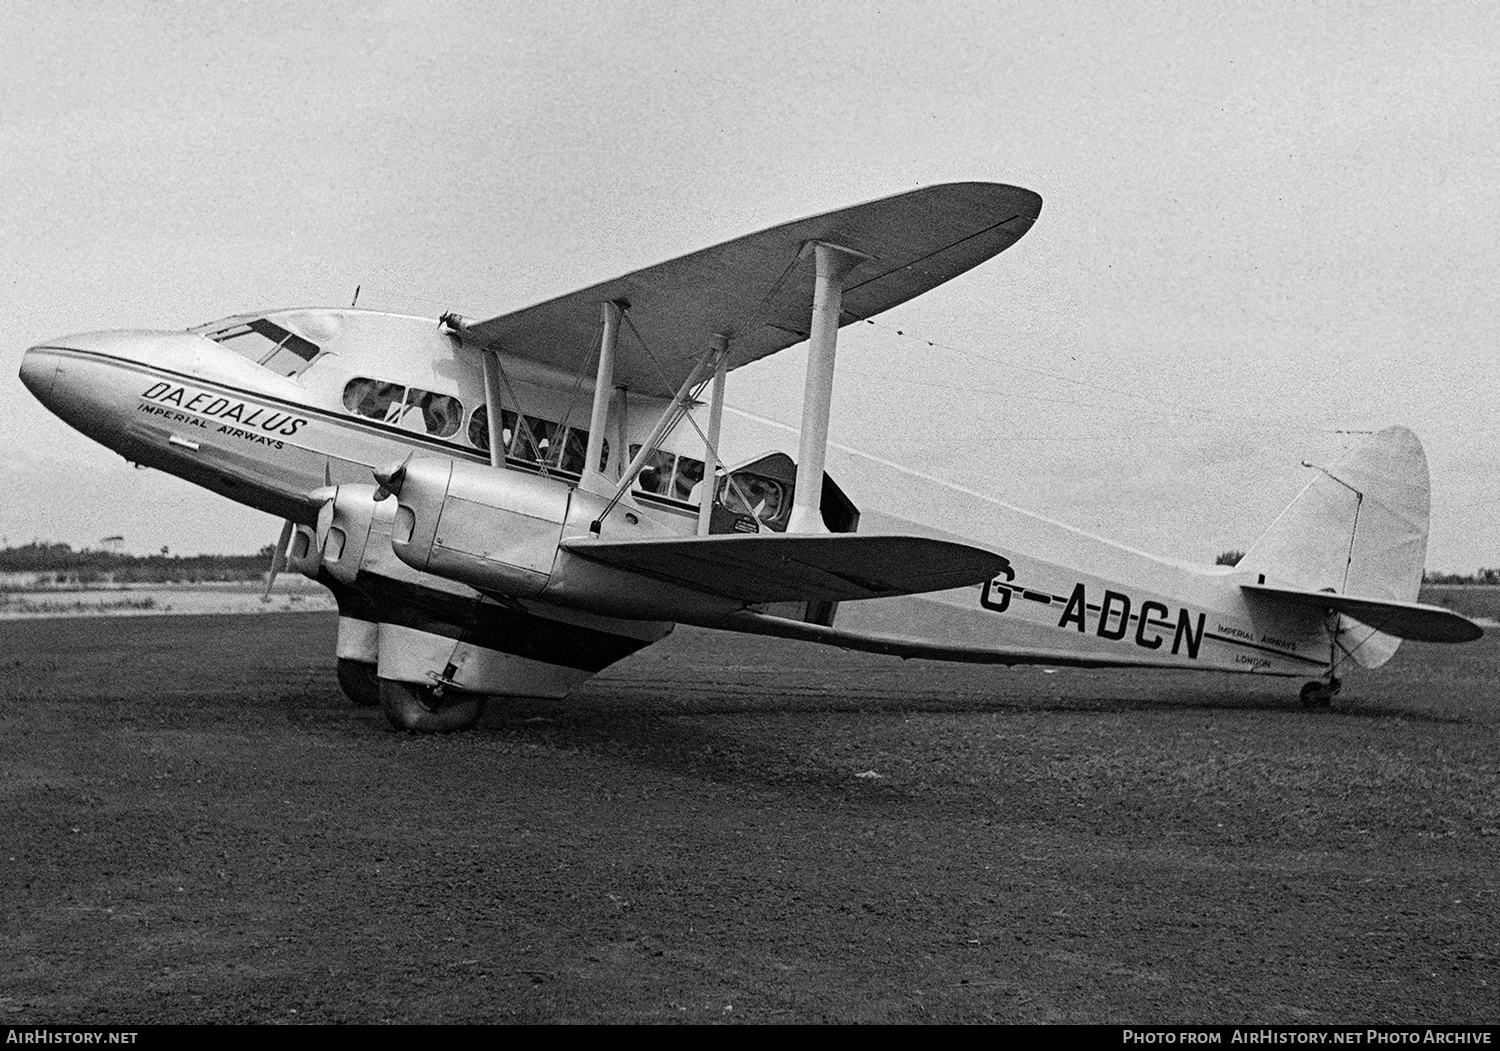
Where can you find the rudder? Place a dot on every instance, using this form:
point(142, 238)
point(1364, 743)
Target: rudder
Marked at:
point(1358, 528)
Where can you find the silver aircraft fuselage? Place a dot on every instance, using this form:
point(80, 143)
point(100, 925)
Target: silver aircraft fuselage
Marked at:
point(199, 408)
point(185, 404)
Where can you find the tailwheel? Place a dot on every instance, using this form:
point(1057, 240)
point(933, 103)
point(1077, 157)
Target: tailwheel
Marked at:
point(426, 710)
point(1319, 693)
point(358, 681)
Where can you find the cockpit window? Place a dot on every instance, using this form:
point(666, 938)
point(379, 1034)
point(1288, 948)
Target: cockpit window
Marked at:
point(411, 409)
point(267, 344)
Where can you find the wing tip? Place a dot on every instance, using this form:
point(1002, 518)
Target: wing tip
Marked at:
point(999, 195)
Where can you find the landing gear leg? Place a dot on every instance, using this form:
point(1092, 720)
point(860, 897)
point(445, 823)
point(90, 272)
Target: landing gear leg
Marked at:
point(1320, 693)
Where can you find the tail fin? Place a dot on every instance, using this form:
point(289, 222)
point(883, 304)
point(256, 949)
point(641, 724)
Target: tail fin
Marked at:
point(1359, 529)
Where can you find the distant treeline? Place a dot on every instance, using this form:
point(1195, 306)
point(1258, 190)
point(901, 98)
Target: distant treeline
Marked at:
point(1484, 576)
point(87, 567)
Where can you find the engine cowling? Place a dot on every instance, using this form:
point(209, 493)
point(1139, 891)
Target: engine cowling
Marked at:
point(498, 531)
point(494, 530)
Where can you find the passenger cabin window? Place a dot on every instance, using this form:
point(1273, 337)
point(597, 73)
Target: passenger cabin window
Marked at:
point(572, 450)
point(678, 477)
point(667, 474)
point(767, 497)
point(479, 428)
point(436, 414)
point(268, 345)
point(410, 408)
point(535, 440)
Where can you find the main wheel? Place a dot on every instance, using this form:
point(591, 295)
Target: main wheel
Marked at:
point(357, 680)
point(417, 710)
point(1310, 692)
point(1319, 694)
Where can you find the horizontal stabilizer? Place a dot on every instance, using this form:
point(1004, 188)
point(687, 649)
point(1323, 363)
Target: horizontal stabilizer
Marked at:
point(1405, 620)
point(839, 567)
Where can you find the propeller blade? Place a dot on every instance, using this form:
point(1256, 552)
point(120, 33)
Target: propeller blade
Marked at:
point(391, 479)
point(278, 558)
point(325, 523)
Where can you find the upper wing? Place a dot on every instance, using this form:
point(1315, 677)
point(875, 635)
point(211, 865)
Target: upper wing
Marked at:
point(780, 567)
point(757, 289)
point(1405, 620)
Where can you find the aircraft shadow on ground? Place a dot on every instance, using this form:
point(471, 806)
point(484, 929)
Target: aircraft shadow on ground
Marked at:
point(732, 699)
point(681, 737)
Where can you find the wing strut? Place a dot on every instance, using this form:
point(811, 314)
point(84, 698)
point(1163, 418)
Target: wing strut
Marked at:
point(710, 484)
point(833, 265)
point(493, 418)
point(664, 424)
point(604, 385)
point(674, 412)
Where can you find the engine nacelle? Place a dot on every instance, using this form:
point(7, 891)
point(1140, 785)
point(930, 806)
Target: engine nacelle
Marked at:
point(302, 554)
point(498, 531)
point(492, 529)
point(345, 525)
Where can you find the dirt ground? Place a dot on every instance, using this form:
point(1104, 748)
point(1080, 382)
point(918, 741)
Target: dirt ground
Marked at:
point(196, 826)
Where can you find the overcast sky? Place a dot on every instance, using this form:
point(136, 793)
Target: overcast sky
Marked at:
point(1265, 224)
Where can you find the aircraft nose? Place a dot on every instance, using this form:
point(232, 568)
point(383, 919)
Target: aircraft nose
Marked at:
point(39, 371)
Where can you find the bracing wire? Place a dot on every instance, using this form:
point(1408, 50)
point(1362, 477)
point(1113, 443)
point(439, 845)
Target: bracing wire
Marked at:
point(1158, 403)
point(683, 412)
point(588, 358)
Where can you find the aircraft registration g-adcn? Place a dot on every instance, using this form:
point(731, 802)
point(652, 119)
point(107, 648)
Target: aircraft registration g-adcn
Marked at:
point(489, 530)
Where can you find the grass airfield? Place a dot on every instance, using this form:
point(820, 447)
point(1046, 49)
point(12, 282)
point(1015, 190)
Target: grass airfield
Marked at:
point(196, 826)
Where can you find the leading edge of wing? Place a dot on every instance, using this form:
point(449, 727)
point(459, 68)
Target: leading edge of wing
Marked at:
point(1416, 621)
point(757, 289)
point(776, 567)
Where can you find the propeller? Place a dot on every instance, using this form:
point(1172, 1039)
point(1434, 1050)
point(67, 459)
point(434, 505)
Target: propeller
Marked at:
point(278, 558)
point(391, 479)
point(325, 523)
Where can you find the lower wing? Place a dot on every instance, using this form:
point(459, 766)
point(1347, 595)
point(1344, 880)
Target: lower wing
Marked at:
point(839, 567)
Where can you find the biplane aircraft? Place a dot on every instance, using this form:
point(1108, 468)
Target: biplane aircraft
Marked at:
point(487, 532)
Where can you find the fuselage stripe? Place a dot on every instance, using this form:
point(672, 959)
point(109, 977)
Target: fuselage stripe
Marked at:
point(328, 415)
